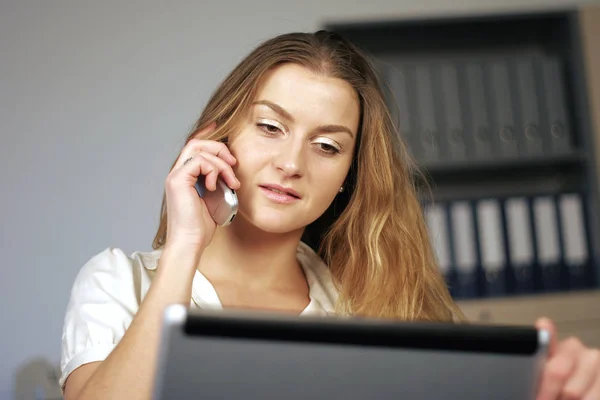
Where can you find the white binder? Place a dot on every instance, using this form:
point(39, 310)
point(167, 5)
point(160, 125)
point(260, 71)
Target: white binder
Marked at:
point(464, 247)
point(546, 230)
point(489, 223)
point(435, 215)
point(573, 230)
point(520, 241)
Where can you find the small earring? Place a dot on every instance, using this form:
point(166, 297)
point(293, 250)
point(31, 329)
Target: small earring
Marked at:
point(341, 189)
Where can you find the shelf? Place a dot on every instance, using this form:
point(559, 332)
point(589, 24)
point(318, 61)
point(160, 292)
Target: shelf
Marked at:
point(453, 81)
point(567, 160)
point(531, 177)
point(465, 34)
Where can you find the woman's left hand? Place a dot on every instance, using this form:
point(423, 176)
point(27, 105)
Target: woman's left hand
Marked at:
point(571, 371)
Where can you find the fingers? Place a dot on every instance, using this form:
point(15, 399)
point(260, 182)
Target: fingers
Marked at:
point(206, 157)
point(572, 373)
point(190, 170)
point(196, 146)
point(546, 324)
point(584, 375)
point(223, 169)
point(594, 392)
point(210, 166)
point(555, 374)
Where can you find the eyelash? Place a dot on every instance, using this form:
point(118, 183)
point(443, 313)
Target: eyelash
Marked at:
point(265, 128)
point(325, 148)
point(328, 149)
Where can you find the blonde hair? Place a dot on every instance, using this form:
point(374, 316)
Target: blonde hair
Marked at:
point(373, 237)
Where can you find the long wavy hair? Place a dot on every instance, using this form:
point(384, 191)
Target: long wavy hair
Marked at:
point(373, 237)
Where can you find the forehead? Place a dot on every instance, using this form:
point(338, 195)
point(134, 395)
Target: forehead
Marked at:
point(311, 97)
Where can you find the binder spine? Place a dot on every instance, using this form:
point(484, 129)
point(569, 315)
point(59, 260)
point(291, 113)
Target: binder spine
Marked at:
point(427, 126)
point(558, 134)
point(510, 277)
point(490, 247)
point(527, 109)
point(403, 88)
point(450, 101)
point(502, 116)
point(479, 132)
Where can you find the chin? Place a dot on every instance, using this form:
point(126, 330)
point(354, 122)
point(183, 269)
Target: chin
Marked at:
point(274, 222)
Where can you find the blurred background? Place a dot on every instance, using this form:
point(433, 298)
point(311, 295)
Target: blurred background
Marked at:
point(494, 97)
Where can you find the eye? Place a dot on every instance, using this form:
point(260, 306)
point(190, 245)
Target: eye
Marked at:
point(328, 147)
point(269, 128)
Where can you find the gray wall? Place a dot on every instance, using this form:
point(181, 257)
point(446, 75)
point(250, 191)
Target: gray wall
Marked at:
point(95, 100)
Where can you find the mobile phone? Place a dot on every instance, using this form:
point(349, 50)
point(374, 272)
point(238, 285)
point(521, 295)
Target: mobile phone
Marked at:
point(222, 203)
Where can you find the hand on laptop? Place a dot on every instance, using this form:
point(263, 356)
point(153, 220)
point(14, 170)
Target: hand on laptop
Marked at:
point(572, 371)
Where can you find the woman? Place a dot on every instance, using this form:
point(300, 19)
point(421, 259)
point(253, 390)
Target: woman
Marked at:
point(301, 131)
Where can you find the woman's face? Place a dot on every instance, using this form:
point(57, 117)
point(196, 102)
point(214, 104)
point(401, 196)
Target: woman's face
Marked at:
point(295, 148)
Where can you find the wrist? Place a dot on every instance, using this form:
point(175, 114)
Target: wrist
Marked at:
point(180, 256)
point(185, 243)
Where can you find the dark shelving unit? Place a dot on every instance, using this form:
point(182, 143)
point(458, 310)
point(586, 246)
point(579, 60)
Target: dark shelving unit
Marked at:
point(509, 54)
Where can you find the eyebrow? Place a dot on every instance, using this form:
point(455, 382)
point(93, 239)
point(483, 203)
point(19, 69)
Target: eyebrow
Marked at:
point(321, 128)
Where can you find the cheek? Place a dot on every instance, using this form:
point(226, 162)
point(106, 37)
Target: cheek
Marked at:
point(328, 178)
point(249, 163)
point(248, 153)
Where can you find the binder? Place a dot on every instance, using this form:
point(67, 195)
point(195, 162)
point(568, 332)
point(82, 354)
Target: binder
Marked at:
point(491, 242)
point(520, 246)
point(400, 78)
point(557, 132)
point(574, 239)
point(465, 257)
point(479, 132)
point(453, 132)
point(389, 75)
point(502, 109)
point(427, 122)
point(437, 224)
point(548, 244)
point(528, 103)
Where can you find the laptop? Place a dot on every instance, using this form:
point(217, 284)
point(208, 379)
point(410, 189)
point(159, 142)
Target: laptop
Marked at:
point(224, 354)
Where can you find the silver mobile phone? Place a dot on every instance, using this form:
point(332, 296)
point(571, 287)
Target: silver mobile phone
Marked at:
point(222, 203)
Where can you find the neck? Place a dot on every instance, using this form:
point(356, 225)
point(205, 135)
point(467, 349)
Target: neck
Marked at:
point(243, 253)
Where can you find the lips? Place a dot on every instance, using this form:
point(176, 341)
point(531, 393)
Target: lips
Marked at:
point(280, 190)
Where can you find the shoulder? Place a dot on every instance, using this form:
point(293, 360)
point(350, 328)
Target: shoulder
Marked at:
point(112, 268)
point(104, 298)
point(112, 279)
point(115, 260)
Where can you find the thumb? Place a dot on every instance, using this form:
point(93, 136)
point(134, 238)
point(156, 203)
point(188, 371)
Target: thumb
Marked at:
point(547, 325)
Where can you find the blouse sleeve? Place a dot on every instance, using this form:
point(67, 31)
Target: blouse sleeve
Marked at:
point(102, 304)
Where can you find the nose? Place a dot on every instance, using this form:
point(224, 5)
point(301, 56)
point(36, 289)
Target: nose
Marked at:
point(289, 159)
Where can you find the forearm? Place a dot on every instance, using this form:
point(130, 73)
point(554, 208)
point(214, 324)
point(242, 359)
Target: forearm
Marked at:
point(128, 372)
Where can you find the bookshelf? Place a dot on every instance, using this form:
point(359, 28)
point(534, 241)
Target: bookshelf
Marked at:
point(503, 107)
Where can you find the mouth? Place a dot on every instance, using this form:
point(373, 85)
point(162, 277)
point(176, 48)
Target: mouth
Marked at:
point(280, 193)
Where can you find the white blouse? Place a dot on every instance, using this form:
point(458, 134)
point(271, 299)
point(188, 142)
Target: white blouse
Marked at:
point(110, 287)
